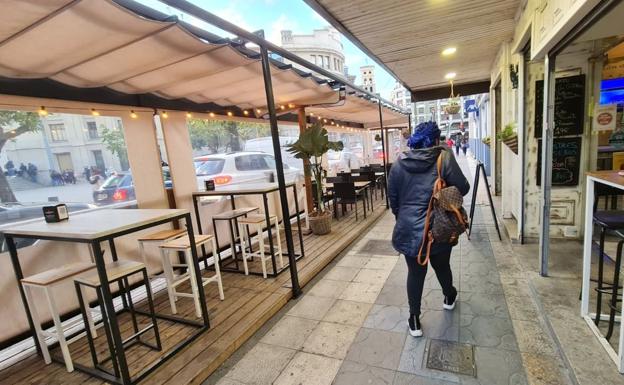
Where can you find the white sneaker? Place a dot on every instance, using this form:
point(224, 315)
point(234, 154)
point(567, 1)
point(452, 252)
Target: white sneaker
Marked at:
point(413, 324)
point(449, 302)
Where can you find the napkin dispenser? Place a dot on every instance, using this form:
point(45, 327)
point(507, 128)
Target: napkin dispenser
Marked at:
point(57, 213)
point(210, 185)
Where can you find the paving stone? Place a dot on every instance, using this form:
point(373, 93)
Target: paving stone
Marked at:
point(532, 338)
point(375, 276)
point(381, 263)
point(413, 360)
point(483, 304)
point(393, 295)
point(328, 288)
point(440, 324)
point(493, 332)
point(432, 299)
point(378, 246)
point(309, 369)
point(339, 273)
point(290, 332)
point(229, 381)
point(352, 373)
point(496, 367)
point(522, 308)
point(544, 370)
point(312, 307)
point(353, 261)
point(387, 317)
point(377, 348)
point(261, 365)
point(330, 339)
point(516, 286)
point(411, 379)
point(361, 292)
point(480, 269)
point(348, 312)
point(397, 277)
point(481, 284)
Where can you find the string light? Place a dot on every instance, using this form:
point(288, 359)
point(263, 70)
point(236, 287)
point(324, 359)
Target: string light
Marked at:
point(245, 112)
point(290, 105)
point(95, 112)
point(324, 120)
point(229, 113)
point(133, 114)
point(211, 114)
point(332, 123)
point(42, 111)
point(189, 115)
point(282, 107)
point(258, 111)
point(164, 114)
point(311, 113)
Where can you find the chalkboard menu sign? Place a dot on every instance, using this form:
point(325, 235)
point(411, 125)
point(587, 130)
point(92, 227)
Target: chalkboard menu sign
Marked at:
point(565, 164)
point(569, 106)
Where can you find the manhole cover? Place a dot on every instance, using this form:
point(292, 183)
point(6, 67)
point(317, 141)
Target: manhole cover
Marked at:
point(378, 246)
point(451, 357)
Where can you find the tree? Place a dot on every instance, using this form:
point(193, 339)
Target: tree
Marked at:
point(13, 124)
point(115, 143)
point(206, 134)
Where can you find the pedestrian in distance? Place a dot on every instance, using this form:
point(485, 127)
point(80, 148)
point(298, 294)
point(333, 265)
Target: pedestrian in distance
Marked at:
point(457, 145)
point(410, 187)
point(465, 146)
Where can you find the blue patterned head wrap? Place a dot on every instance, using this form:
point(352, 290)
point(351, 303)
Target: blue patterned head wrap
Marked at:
point(424, 136)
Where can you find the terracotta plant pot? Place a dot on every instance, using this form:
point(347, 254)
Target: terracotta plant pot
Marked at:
point(512, 143)
point(320, 224)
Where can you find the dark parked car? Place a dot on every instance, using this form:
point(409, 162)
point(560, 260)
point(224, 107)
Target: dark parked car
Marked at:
point(17, 212)
point(120, 188)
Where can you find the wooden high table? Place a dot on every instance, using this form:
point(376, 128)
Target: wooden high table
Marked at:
point(609, 178)
point(263, 189)
point(105, 225)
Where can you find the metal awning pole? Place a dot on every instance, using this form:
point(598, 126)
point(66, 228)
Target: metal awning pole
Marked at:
point(409, 123)
point(547, 149)
point(279, 167)
point(385, 154)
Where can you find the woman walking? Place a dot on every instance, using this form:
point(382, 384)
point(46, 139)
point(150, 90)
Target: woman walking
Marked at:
point(410, 187)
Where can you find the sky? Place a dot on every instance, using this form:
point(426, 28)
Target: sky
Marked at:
point(273, 16)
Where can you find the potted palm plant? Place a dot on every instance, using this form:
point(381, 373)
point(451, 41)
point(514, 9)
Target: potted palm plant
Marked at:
point(312, 144)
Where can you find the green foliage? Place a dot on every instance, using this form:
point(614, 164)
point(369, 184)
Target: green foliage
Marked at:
point(222, 136)
point(115, 143)
point(509, 131)
point(312, 144)
point(13, 124)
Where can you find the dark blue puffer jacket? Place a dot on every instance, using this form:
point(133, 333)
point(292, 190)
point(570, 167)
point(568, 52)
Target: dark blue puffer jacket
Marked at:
point(410, 185)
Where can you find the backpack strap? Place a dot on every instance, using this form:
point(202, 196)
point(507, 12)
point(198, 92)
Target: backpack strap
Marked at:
point(427, 236)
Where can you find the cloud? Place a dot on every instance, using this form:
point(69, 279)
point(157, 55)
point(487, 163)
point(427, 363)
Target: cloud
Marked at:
point(282, 23)
point(318, 17)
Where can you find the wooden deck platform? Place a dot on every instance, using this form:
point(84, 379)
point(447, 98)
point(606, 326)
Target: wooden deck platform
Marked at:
point(250, 301)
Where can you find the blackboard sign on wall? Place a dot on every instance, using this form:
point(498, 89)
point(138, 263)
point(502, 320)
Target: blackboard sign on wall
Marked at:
point(566, 161)
point(569, 106)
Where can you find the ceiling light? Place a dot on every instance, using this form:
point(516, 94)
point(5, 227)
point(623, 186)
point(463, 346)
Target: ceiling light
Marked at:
point(450, 76)
point(449, 51)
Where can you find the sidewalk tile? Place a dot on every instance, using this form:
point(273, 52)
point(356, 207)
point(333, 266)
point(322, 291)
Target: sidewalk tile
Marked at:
point(348, 312)
point(377, 348)
point(339, 273)
point(492, 332)
point(387, 317)
point(312, 307)
point(381, 263)
point(544, 370)
point(290, 332)
point(353, 261)
point(521, 308)
point(328, 288)
point(393, 295)
point(372, 276)
point(493, 305)
point(309, 369)
point(330, 339)
point(413, 360)
point(495, 367)
point(354, 373)
point(410, 379)
point(532, 338)
point(261, 365)
point(440, 324)
point(361, 292)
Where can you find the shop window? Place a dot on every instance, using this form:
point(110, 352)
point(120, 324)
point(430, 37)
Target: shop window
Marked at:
point(57, 132)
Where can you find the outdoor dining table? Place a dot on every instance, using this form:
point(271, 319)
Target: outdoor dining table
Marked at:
point(358, 186)
point(263, 189)
point(613, 179)
point(92, 228)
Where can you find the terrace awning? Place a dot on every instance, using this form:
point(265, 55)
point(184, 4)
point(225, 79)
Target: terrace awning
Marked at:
point(124, 48)
point(408, 37)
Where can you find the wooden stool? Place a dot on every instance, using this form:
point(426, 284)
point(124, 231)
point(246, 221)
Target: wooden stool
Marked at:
point(45, 281)
point(258, 221)
point(118, 271)
point(183, 244)
point(158, 237)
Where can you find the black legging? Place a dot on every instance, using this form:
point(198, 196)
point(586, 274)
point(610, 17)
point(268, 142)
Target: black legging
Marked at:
point(439, 258)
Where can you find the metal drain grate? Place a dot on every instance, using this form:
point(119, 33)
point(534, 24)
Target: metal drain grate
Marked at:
point(378, 246)
point(451, 357)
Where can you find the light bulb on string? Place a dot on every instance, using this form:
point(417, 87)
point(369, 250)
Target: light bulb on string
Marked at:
point(95, 112)
point(189, 115)
point(212, 114)
point(164, 114)
point(229, 113)
point(245, 112)
point(133, 114)
point(42, 111)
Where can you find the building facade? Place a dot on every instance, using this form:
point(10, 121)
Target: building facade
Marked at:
point(323, 48)
point(400, 96)
point(367, 74)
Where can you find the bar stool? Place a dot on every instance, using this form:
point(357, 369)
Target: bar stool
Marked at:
point(44, 281)
point(118, 271)
point(611, 220)
point(615, 286)
point(158, 237)
point(258, 221)
point(173, 281)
